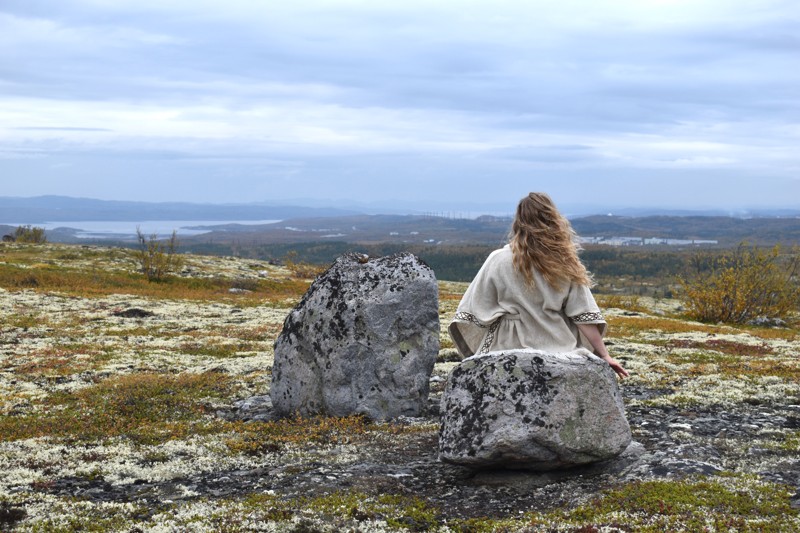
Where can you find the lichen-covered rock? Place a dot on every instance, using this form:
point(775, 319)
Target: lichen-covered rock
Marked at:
point(363, 340)
point(529, 409)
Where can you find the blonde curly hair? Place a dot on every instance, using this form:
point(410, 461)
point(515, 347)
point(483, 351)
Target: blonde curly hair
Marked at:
point(542, 239)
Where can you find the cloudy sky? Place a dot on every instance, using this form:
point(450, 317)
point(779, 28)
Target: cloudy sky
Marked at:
point(412, 104)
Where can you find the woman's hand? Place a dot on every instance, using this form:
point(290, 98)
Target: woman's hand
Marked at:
point(595, 338)
point(615, 366)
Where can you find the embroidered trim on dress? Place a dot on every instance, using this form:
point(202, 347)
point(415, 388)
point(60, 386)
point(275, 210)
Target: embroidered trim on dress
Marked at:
point(469, 317)
point(487, 342)
point(588, 317)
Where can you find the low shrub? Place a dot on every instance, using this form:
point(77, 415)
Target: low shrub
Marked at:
point(727, 503)
point(258, 437)
point(628, 302)
point(739, 286)
point(302, 270)
point(146, 408)
point(158, 258)
point(30, 234)
point(98, 282)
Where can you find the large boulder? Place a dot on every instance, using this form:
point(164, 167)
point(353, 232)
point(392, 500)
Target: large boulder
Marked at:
point(527, 409)
point(363, 340)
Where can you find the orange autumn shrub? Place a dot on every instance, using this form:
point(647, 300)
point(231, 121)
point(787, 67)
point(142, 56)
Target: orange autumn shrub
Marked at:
point(741, 285)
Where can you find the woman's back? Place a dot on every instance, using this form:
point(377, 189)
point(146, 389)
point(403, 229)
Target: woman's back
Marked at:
point(533, 293)
point(501, 311)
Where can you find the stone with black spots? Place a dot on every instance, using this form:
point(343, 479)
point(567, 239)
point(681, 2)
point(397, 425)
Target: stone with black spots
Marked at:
point(363, 340)
point(532, 410)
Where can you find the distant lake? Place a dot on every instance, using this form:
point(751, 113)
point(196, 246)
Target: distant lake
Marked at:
point(116, 229)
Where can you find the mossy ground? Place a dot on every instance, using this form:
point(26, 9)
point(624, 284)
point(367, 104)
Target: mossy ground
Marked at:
point(92, 397)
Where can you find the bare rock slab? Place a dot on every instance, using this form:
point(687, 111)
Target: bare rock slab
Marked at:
point(363, 340)
point(527, 409)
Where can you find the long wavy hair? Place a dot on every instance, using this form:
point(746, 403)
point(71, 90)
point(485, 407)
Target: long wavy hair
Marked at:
point(542, 239)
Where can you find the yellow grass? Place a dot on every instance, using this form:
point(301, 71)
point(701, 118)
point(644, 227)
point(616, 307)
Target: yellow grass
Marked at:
point(103, 283)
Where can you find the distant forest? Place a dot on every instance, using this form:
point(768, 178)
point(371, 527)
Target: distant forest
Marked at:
point(456, 248)
point(632, 270)
point(452, 263)
point(729, 231)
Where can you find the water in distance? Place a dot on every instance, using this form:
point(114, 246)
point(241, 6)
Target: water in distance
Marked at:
point(116, 229)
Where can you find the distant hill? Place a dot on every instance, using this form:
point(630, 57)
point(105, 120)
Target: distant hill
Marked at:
point(727, 230)
point(43, 209)
point(365, 229)
point(415, 229)
point(299, 224)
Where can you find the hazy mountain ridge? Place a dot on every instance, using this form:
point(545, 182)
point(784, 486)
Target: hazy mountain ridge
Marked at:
point(727, 231)
point(39, 209)
point(365, 229)
point(42, 209)
point(309, 224)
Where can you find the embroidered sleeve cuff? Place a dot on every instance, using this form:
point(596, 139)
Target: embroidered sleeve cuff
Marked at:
point(588, 318)
point(469, 317)
point(467, 338)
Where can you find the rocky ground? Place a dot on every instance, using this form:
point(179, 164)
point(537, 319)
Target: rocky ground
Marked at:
point(124, 411)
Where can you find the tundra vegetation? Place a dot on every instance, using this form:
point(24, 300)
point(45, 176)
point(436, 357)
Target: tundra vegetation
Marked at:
point(120, 401)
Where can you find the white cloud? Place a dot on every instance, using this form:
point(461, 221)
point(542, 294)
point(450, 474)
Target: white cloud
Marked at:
point(406, 87)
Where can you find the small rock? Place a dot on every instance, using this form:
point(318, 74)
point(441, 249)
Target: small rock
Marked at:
point(684, 467)
point(794, 502)
point(133, 312)
point(254, 403)
point(10, 515)
point(767, 322)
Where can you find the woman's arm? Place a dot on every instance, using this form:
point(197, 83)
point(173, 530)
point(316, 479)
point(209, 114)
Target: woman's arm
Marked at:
point(592, 334)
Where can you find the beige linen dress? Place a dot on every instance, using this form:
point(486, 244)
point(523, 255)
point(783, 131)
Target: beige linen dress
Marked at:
point(499, 311)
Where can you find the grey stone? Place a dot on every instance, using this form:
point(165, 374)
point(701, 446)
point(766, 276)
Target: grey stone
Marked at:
point(363, 340)
point(133, 312)
point(767, 322)
point(527, 409)
point(254, 403)
point(794, 501)
point(237, 290)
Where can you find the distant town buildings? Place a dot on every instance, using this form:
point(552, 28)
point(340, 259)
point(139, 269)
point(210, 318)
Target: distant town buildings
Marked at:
point(645, 241)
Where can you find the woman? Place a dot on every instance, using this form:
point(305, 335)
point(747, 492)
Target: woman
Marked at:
point(532, 293)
